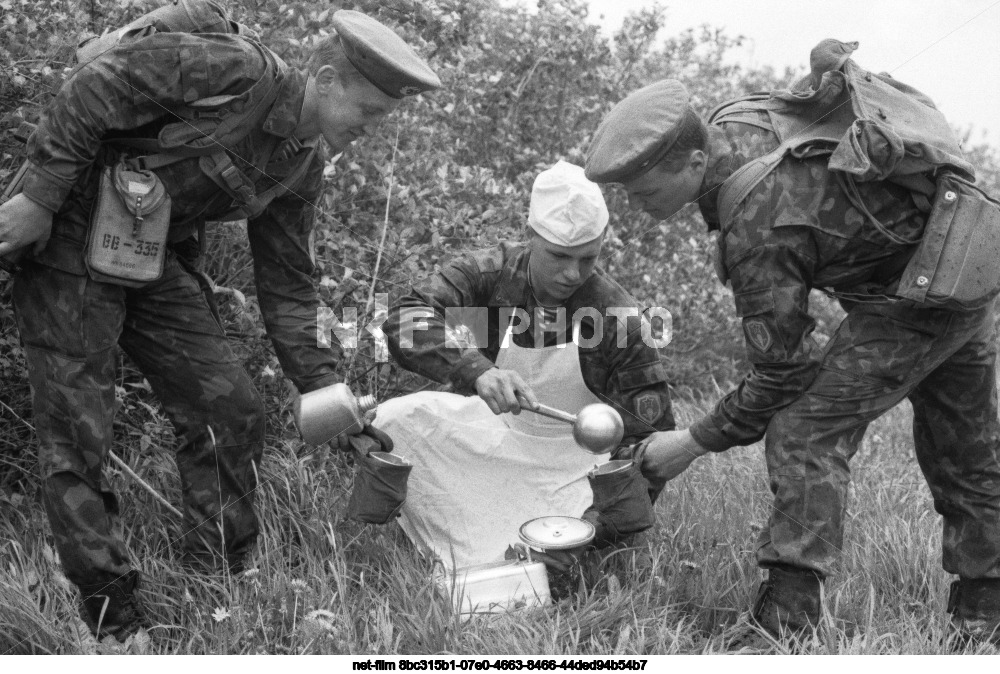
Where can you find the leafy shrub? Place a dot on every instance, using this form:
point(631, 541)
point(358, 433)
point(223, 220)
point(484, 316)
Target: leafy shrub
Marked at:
point(522, 90)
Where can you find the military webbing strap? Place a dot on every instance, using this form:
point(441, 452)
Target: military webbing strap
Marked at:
point(220, 169)
point(737, 187)
point(213, 124)
point(802, 135)
point(280, 188)
point(208, 127)
point(872, 126)
point(250, 204)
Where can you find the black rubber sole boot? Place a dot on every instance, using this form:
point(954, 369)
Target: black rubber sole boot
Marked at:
point(788, 603)
point(112, 608)
point(974, 605)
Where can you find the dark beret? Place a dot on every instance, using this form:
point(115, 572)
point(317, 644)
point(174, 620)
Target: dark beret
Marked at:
point(382, 56)
point(637, 133)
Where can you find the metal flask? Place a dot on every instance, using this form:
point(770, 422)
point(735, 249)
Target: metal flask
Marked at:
point(326, 413)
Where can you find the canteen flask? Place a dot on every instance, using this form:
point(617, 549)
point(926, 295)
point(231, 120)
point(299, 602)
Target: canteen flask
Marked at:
point(326, 413)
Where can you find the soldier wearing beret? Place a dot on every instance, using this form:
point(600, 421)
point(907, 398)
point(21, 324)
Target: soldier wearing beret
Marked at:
point(509, 327)
point(798, 229)
point(72, 320)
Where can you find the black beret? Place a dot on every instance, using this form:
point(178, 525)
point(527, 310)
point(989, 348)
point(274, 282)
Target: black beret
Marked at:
point(382, 56)
point(637, 133)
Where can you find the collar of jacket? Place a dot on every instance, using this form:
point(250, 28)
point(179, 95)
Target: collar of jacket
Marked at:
point(721, 160)
point(284, 115)
point(513, 289)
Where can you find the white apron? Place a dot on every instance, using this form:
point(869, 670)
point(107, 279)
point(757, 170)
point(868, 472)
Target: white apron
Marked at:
point(477, 476)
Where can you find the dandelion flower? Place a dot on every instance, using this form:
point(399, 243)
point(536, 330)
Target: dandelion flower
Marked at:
point(321, 614)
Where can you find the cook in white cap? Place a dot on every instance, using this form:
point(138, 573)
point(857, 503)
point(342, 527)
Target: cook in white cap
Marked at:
point(541, 325)
point(568, 218)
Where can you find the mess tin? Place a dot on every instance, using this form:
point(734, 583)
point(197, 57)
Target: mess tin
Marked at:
point(496, 587)
point(556, 532)
point(613, 467)
point(391, 459)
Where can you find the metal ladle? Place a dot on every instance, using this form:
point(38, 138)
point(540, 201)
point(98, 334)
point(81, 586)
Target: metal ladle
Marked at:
point(597, 428)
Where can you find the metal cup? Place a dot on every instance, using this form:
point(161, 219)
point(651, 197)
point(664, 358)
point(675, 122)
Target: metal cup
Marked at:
point(391, 459)
point(612, 467)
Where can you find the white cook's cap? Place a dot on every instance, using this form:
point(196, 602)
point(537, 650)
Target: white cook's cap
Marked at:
point(566, 208)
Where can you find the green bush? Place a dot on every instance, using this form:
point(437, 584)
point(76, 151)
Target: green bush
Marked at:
point(522, 90)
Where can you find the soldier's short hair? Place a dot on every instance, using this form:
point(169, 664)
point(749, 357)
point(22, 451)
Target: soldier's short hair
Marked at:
point(692, 135)
point(329, 51)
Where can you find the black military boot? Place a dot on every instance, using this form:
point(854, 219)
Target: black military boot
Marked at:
point(112, 608)
point(788, 602)
point(974, 605)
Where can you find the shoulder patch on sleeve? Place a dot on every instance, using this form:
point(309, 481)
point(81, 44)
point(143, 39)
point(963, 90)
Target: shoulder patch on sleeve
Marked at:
point(757, 334)
point(648, 407)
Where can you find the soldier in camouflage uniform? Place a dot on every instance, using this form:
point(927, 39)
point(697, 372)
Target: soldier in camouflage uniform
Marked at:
point(72, 325)
point(798, 230)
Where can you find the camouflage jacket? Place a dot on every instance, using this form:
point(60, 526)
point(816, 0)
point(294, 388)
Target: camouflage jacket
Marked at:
point(130, 91)
point(620, 368)
point(796, 231)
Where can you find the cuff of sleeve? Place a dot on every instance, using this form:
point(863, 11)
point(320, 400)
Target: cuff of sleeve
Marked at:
point(322, 382)
point(632, 451)
point(468, 370)
point(44, 190)
point(708, 435)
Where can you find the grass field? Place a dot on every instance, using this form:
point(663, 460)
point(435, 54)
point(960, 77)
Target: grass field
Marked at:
point(323, 585)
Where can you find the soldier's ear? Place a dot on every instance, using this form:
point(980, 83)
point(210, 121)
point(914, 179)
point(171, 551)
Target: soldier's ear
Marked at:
point(326, 79)
point(698, 160)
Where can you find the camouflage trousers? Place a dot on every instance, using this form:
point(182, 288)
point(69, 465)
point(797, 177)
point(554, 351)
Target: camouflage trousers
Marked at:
point(945, 363)
point(71, 327)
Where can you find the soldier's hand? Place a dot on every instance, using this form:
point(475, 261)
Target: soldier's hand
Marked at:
point(343, 441)
point(668, 454)
point(501, 388)
point(556, 561)
point(23, 223)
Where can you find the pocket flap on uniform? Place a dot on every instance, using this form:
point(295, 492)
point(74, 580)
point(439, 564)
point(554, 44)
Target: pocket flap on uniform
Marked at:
point(641, 376)
point(754, 302)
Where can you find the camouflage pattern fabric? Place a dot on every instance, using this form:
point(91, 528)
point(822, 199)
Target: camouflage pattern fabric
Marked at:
point(620, 369)
point(128, 92)
point(798, 231)
point(71, 325)
point(944, 362)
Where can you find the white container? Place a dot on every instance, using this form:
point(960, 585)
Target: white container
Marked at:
point(497, 587)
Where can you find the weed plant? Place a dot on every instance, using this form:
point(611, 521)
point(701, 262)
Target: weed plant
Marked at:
point(321, 584)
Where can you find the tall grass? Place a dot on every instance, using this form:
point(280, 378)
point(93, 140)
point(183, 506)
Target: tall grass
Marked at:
point(320, 584)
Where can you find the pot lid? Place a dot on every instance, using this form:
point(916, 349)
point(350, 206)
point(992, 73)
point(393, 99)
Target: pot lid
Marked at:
point(556, 532)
